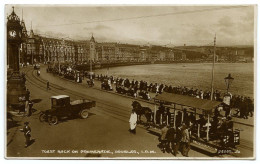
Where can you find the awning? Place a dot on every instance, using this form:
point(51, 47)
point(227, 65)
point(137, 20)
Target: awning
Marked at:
point(188, 101)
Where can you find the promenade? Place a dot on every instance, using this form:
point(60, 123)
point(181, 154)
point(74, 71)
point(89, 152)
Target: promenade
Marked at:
point(105, 129)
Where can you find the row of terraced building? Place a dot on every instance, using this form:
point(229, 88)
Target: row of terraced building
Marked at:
point(36, 48)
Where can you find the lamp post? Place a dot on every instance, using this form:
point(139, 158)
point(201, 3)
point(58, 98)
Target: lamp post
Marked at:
point(228, 81)
point(108, 62)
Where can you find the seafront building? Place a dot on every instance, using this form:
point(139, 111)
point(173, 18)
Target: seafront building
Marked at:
point(37, 48)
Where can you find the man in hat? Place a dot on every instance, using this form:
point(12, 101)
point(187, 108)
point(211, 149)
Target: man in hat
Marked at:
point(27, 133)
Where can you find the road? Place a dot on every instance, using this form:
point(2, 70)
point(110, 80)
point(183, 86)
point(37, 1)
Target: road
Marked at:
point(105, 130)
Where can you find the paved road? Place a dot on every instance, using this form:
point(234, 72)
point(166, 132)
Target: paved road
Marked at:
point(105, 129)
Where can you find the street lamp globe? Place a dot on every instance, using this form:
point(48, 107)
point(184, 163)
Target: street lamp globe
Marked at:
point(228, 81)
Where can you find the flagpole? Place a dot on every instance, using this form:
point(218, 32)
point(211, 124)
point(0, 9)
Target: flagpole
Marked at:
point(212, 79)
point(90, 69)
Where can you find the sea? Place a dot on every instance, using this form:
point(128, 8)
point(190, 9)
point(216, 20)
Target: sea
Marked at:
point(192, 75)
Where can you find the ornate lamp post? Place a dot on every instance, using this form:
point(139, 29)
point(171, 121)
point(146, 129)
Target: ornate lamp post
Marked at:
point(228, 81)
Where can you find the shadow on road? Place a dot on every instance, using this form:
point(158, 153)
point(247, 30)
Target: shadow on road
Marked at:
point(31, 142)
point(12, 124)
point(36, 100)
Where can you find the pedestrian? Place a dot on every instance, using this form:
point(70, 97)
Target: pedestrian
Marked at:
point(163, 138)
point(48, 85)
point(27, 95)
point(30, 108)
point(27, 133)
point(177, 141)
point(26, 108)
point(170, 136)
point(132, 121)
point(185, 141)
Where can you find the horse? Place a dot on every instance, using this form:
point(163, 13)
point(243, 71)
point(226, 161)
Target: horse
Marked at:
point(146, 111)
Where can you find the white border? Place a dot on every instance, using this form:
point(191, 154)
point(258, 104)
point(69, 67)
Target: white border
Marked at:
point(161, 2)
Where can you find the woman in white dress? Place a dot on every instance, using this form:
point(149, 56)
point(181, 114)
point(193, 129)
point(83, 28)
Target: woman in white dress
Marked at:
point(132, 121)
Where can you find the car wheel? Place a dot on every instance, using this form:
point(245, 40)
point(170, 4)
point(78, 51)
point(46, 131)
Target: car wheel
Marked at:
point(42, 117)
point(84, 113)
point(53, 120)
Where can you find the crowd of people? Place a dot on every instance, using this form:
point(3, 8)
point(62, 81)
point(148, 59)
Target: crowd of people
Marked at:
point(244, 106)
point(176, 134)
point(173, 140)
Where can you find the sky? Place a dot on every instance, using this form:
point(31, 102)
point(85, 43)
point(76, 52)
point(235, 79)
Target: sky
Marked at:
point(157, 25)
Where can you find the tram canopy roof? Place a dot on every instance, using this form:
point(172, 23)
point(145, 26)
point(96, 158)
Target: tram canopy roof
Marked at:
point(188, 101)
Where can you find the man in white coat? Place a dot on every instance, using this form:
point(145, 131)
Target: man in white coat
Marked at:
point(132, 121)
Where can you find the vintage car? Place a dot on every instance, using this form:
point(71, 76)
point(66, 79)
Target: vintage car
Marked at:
point(61, 107)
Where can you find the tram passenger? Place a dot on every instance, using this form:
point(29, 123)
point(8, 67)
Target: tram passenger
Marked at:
point(223, 128)
point(201, 121)
point(158, 113)
point(186, 119)
point(217, 111)
point(192, 119)
point(227, 110)
point(226, 129)
point(164, 116)
point(178, 119)
point(230, 133)
point(230, 124)
point(214, 125)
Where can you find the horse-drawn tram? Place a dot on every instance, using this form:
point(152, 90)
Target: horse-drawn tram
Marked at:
point(209, 131)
